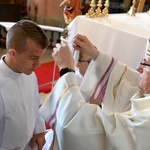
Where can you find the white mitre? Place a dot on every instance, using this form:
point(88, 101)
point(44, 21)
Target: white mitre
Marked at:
point(148, 47)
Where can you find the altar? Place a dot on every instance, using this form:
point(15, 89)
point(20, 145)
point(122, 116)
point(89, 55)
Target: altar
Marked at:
point(120, 35)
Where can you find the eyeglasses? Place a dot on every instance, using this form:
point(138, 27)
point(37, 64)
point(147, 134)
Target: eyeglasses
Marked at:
point(143, 63)
point(81, 60)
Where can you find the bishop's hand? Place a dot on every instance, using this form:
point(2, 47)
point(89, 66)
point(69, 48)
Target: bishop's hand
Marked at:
point(82, 43)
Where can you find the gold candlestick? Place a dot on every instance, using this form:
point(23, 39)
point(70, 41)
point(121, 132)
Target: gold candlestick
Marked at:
point(148, 12)
point(132, 10)
point(91, 12)
point(98, 12)
point(105, 10)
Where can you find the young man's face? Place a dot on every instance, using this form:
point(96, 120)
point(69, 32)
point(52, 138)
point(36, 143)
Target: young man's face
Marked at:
point(144, 76)
point(27, 61)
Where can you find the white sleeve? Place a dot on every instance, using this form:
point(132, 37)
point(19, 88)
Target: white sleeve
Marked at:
point(97, 75)
point(2, 115)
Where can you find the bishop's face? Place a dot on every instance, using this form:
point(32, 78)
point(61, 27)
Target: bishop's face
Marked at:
point(144, 76)
point(83, 63)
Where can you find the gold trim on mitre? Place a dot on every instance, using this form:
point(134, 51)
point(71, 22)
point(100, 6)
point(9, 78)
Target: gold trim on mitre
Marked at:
point(148, 47)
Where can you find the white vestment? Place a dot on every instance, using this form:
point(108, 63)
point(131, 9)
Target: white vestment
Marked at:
point(79, 80)
point(19, 109)
point(122, 124)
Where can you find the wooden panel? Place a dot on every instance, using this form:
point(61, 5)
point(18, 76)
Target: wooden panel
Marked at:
point(5, 1)
point(10, 12)
point(140, 6)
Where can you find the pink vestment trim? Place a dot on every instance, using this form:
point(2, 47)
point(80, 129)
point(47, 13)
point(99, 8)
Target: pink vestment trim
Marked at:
point(101, 86)
point(51, 120)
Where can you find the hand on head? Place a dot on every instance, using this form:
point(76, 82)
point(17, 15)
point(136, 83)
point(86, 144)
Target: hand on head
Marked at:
point(63, 56)
point(82, 43)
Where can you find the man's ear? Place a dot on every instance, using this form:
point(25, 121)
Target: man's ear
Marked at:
point(12, 52)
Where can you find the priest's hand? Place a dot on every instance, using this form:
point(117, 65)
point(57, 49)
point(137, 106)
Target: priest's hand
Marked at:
point(63, 56)
point(38, 139)
point(82, 43)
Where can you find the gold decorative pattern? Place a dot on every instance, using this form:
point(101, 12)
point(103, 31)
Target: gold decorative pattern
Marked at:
point(66, 89)
point(117, 85)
